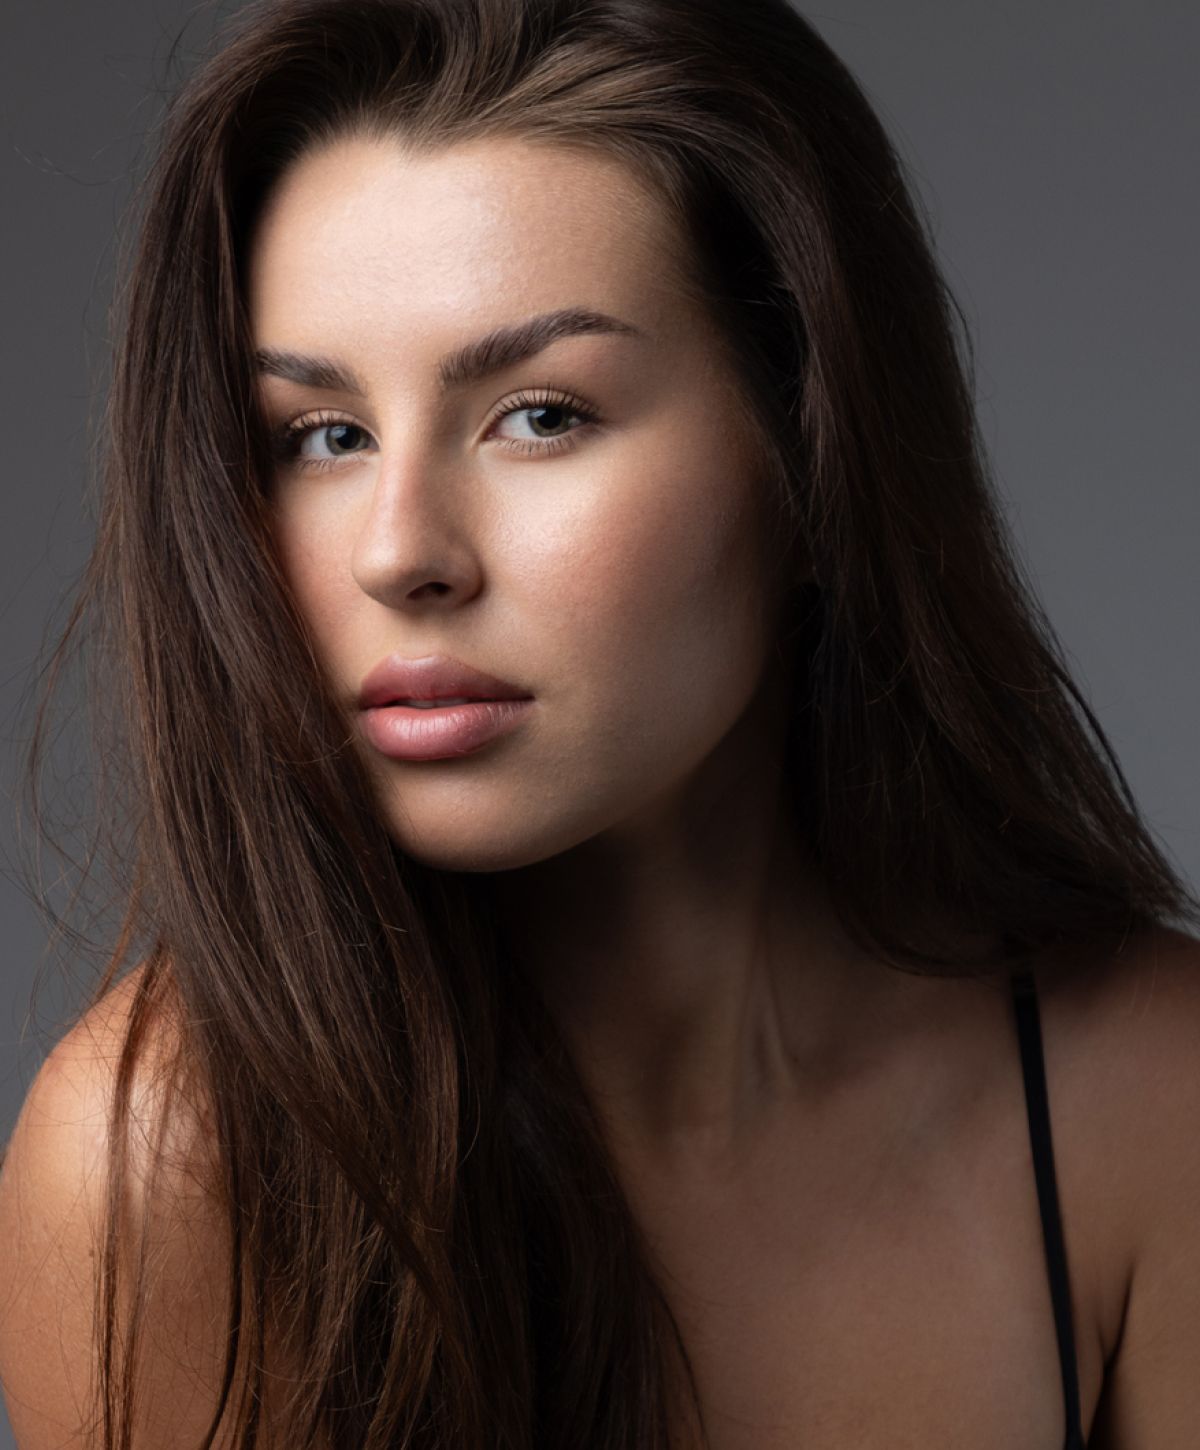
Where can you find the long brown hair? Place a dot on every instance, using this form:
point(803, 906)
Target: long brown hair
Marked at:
point(420, 1201)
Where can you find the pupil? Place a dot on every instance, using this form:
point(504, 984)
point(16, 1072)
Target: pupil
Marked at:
point(542, 411)
point(341, 433)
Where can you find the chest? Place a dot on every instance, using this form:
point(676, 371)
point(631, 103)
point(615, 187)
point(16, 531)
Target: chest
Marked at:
point(876, 1288)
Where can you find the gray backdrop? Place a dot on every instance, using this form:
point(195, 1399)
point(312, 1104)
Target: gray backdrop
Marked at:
point(1056, 147)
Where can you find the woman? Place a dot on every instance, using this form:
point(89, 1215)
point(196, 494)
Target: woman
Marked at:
point(647, 1048)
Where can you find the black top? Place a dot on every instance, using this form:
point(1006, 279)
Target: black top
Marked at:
point(1029, 1034)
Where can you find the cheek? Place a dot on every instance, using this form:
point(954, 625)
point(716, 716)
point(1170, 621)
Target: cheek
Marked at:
point(660, 596)
point(312, 557)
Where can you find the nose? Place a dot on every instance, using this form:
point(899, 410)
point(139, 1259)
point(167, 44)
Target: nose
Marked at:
point(414, 542)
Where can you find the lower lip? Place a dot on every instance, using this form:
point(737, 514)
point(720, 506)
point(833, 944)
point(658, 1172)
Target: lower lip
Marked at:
point(406, 733)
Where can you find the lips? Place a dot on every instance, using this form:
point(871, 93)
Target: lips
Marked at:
point(395, 680)
point(442, 732)
point(433, 704)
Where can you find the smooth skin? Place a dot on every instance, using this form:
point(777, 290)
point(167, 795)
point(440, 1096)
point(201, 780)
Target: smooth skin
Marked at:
point(830, 1158)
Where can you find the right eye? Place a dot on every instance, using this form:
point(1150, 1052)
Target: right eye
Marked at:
point(333, 437)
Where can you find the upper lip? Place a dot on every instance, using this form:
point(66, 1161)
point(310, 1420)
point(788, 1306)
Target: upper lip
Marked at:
point(433, 677)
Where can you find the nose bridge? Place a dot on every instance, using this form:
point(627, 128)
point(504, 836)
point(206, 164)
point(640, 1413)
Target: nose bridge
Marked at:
point(415, 529)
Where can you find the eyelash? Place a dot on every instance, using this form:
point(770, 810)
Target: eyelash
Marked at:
point(287, 439)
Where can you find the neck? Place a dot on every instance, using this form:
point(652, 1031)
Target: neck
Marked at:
point(692, 962)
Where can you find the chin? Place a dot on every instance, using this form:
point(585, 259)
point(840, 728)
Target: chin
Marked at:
point(482, 841)
point(473, 845)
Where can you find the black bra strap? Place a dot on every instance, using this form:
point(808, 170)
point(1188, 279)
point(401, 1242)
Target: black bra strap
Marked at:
point(1029, 1033)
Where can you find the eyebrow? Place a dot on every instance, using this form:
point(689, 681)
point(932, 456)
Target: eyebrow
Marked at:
point(499, 349)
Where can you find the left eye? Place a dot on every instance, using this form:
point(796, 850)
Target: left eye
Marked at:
point(547, 412)
point(549, 416)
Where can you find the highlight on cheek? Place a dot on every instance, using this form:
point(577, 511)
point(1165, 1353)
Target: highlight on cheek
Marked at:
point(346, 439)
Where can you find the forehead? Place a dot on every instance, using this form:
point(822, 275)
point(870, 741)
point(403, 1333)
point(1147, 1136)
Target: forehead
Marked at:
point(483, 227)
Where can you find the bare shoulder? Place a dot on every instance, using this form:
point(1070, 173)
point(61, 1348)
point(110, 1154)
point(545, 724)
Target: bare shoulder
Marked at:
point(53, 1213)
point(1124, 1078)
point(1128, 1031)
point(1128, 1027)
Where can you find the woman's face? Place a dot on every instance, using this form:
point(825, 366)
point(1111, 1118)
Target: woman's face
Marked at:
point(586, 523)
